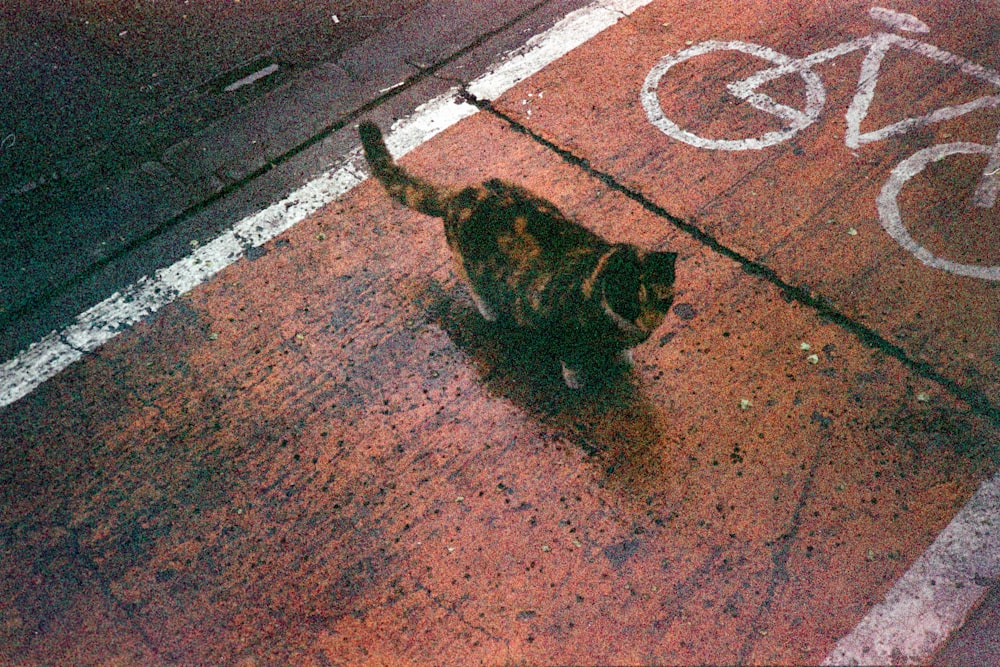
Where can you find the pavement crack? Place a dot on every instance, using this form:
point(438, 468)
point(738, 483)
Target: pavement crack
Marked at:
point(979, 403)
point(781, 551)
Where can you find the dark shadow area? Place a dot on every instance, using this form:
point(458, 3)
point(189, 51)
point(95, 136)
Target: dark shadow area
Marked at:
point(610, 419)
point(925, 429)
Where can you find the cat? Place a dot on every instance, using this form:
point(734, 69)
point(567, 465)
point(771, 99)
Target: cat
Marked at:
point(528, 265)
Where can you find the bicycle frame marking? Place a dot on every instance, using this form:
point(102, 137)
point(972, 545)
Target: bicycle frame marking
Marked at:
point(898, 20)
point(877, 45)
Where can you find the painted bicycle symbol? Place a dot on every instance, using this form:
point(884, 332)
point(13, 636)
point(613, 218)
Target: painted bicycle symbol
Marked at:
point(795, 120)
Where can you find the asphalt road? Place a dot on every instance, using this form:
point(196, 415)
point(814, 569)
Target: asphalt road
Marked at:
point(131, 131)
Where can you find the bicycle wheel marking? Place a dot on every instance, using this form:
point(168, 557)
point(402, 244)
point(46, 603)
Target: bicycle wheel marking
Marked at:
point(892, 222)
point(989, 185)
point(796, 120)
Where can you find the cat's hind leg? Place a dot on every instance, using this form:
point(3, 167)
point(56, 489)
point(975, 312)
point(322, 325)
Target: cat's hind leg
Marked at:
point(484, 308)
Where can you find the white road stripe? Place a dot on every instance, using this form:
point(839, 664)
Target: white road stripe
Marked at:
point(935, 595)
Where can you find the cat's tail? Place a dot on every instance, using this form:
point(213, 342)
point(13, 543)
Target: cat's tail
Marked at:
point(401, 186)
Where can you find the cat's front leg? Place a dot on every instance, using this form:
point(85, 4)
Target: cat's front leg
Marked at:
point(484, 309)
point(571, 376)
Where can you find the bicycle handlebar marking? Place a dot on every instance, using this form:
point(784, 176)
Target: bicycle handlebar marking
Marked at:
point(877, 44)
point(898, 20)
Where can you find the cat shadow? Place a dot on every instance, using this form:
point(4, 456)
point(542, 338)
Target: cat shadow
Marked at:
point(610, 418)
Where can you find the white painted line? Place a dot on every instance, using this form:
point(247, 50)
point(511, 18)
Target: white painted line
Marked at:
point(795, 120)
point(252, 78)
point(935, 595)
point(892, 221)
point(95, 326)
point(877, 44)
point(573, 30)
point(986, 192)
point(392, 87)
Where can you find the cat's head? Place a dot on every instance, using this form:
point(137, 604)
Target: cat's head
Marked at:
point(638, 289)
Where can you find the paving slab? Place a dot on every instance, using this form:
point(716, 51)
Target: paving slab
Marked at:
point(808, 207)
point(323, 456)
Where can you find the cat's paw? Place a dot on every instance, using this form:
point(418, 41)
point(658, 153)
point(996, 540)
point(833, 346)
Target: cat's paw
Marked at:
point(571, 377)
point(484, 309)
point(487, 314)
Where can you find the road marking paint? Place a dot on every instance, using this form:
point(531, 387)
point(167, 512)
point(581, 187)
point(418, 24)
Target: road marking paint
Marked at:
point(892, 222)
point(898, 20)
point(97, 325)
point(935, 595)
point(986, 193)
point(394, 86)
point(795, 120)
point(252, 78)
point(877, 46)
point(572, 31)
point(868, 80)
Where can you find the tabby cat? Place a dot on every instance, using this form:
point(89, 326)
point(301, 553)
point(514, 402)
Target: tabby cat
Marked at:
point(528, 265)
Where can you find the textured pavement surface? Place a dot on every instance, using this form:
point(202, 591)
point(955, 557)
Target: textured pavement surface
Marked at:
point(323, 456)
